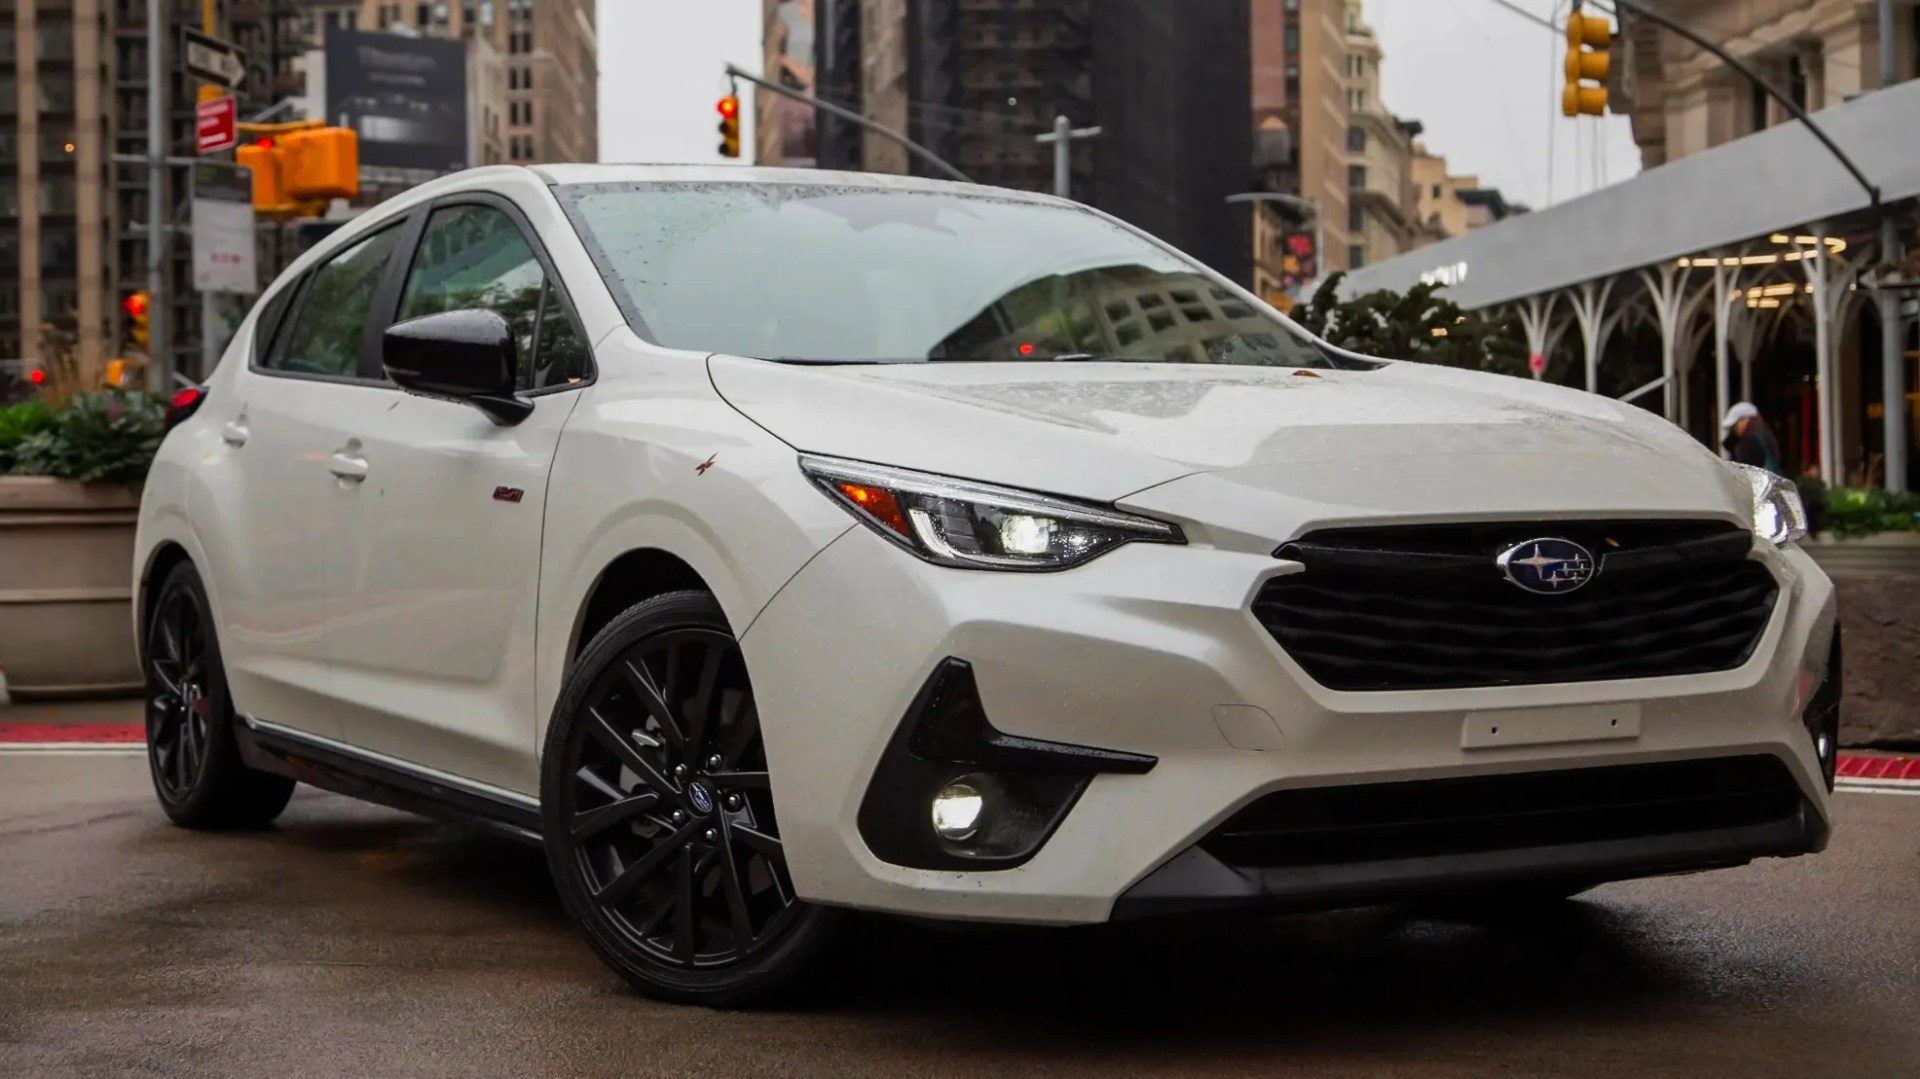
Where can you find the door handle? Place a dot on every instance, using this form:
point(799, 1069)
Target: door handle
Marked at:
point(351, 469)
point(234, 433)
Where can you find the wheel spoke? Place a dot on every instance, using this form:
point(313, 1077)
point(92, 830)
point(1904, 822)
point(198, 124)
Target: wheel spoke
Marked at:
point(622, 747)
point(640, 680)
point(169, 684)
point(592, 779)
point(182, 748)
point(745, 729)
point(168, 638)
point(594, 821)
point(752, 781)
point(629, 878)
point(686, 913)
point(759, 840)
point(702, 706)
point(736, 901)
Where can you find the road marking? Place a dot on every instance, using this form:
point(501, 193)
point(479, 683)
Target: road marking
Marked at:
point(1912, 790)
point(70, 749)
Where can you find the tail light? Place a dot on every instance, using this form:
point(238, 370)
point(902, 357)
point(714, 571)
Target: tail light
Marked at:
point(184, 404)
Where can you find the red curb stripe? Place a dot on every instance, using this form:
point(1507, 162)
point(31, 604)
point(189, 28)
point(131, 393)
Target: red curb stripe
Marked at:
point(73, 733)
point(1897, 769)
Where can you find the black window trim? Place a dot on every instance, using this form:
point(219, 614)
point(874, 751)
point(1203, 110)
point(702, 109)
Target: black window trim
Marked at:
point(390, 305)
point(297, 306)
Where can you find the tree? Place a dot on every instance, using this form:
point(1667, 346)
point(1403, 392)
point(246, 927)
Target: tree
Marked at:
point(1418, 324)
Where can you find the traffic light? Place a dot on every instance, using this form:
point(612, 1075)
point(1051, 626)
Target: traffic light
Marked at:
point(116, 374)
point(729, 126)
point(262, 158)
point(321, 164)
point(1588, 37)
point(137, 307)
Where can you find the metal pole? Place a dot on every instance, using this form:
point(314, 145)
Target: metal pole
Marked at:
point(1720, 316)
point(1062, 157)
point(1062, 137)
point(160, 357)
point(1893, 367)
point(855, 118)
point(1887, 61)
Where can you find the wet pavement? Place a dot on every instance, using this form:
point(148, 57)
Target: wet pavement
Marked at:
point(354, 941)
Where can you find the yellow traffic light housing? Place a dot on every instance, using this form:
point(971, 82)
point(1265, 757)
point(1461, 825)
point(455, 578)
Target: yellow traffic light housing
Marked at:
point(1588, 61)
point(321, 164)
point(729, 126)
point(138, 307)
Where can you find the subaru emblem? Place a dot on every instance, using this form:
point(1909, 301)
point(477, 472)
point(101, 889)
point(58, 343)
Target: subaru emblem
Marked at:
point(1548, 566)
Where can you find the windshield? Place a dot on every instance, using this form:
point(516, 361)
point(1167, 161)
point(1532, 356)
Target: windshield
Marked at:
point(836, 274)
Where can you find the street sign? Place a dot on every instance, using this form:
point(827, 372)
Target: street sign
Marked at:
point(210, 59)
point(216, 124)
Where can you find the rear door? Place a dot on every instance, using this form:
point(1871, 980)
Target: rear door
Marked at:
point(433, 646)
point(282, 430)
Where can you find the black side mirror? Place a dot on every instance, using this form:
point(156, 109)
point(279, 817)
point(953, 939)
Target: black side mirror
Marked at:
point(465, 356)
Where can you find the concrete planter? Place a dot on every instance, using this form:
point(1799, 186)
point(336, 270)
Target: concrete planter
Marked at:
point(66, 586)
point(1877, 579)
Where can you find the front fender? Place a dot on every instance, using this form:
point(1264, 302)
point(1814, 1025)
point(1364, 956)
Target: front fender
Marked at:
point(629, 476)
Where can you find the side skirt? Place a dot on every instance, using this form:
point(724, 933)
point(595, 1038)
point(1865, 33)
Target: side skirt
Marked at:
point(342, 769)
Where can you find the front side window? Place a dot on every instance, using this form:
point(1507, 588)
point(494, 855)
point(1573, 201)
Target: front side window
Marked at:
point(476, 257)
point(329, 333)
point(811, 273)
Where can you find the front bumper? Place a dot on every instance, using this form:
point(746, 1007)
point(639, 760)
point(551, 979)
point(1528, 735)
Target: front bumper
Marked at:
point(1154, 650)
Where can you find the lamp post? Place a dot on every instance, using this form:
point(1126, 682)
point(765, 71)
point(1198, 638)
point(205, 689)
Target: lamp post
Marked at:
point(1305, 206)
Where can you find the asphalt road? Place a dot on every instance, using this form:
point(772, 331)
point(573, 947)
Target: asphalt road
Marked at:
point(352, 941)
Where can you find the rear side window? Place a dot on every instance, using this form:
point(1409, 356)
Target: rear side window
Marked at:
point(329, 328)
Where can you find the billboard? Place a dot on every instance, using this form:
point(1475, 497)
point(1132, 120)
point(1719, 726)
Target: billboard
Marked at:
point(406, 96)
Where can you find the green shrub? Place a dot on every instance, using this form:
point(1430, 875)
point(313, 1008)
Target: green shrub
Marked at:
point(107, 437)
point(20, 421)
point(1861, 511)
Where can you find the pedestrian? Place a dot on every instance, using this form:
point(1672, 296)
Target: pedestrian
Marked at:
point(1748, 440)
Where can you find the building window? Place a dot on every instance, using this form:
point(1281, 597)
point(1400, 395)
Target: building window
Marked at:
point(1356, 219)
point(1357, 139)
point(333, 20)
point(1436, 191)
point(1356, 176)
point(353, 20)
point(1797, 80)
point(1293, 39)
point(486, 12)
point(1356, 256)
point(1293, 82)
point(1758, 103)
point(1356, 100)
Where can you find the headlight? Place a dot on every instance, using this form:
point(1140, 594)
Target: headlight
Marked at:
point(979, 526)
point(1778, 515)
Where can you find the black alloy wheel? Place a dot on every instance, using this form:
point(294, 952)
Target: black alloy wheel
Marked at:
point(196, 766)
point(659, 815)
point(179, 712)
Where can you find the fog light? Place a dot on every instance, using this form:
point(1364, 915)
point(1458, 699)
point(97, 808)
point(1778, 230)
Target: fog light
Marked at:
point(957, 809)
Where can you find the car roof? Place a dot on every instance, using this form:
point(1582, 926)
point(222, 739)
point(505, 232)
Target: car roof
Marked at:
point(563, 174)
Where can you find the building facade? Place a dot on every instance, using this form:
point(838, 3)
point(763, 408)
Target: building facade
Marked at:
point(975, 80)
point(57, 214)
point(1683, 100)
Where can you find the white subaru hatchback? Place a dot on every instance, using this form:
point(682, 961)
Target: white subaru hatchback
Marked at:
point(768, 545)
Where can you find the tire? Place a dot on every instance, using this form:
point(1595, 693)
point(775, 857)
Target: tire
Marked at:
point(191, 753)
point(658, 813)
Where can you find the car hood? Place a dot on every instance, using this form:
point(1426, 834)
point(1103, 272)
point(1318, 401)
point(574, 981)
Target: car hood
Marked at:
point(1405, 438)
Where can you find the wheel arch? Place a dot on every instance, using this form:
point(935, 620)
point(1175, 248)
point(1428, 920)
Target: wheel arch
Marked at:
point(633, 577)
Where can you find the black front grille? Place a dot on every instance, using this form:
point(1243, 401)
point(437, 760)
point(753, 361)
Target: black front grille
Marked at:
point(1428, 818)
point(1425, 607)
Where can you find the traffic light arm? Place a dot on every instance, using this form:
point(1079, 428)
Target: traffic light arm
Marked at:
point(855, 118)
point(1646, 11)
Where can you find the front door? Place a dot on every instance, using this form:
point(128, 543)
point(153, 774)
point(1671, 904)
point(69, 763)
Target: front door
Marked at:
point(280, 428)
point(432, 640)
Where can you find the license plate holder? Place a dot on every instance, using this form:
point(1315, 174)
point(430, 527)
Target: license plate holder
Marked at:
point(1550, 726)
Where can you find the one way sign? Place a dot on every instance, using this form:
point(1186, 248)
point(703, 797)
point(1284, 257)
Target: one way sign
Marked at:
point(210, 59)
